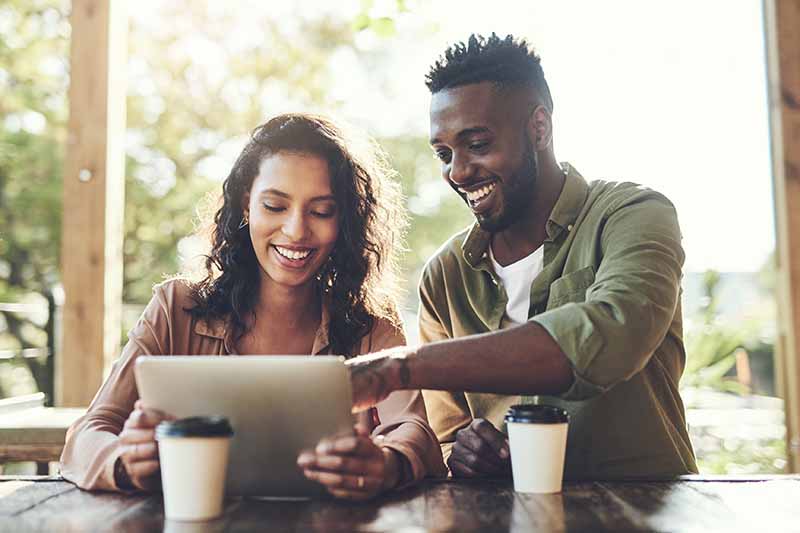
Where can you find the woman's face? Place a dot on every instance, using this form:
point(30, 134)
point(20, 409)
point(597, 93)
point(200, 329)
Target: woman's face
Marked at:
point(294, 219)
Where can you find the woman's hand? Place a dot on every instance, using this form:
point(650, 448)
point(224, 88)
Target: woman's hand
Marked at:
point(139, 458)
point(352, 466)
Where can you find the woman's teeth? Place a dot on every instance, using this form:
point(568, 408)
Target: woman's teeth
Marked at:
point(479, 194)
point(294, 255)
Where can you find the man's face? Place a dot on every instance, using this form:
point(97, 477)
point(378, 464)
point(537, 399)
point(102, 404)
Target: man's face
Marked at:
point(479, 134)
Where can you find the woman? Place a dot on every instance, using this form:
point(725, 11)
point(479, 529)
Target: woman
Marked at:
point(303, 261)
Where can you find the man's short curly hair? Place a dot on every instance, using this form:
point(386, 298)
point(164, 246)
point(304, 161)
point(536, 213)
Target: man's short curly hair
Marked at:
point(506, 62)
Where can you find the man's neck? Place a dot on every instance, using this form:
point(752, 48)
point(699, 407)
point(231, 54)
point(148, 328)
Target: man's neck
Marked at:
point(529, 233)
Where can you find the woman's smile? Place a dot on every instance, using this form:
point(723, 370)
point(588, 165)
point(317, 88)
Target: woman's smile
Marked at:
point(295, 257)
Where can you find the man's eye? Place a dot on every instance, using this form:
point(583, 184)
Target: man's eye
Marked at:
point(273, 208)
point(478, 145)
point(442, 155)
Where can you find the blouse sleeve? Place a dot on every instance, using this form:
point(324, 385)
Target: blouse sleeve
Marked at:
point(92, 444)
point(403, 423)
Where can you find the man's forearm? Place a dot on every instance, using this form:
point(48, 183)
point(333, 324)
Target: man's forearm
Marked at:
point(520, 360)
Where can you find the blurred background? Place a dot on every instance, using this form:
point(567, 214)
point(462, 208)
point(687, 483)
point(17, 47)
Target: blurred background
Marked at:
point(669, 95)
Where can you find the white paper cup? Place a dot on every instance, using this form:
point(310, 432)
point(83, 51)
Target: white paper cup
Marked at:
point(537, 438)
point(193, 453)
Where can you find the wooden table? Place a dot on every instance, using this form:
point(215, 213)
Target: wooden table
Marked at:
point(692, 504)
point(35, 434)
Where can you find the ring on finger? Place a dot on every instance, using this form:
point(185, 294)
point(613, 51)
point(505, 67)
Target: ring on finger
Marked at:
point(360, 482)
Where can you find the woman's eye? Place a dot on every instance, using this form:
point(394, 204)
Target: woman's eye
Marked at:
point(323, 214)
point(273, 208)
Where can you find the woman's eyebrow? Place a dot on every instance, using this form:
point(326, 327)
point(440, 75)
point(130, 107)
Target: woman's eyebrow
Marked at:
point(324, 198)
point(277, 192)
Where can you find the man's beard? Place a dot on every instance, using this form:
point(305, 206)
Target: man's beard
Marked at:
point(518, 192)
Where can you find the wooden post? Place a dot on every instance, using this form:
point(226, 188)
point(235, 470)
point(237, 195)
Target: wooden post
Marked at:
point(94, 189)
point(782, 20)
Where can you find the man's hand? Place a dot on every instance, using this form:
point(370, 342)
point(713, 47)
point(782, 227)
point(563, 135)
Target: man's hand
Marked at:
point(480, 450)
point(140, 451)
point(374, 376)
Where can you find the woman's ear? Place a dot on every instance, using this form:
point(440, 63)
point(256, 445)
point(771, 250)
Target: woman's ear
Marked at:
point(540, 128)
point(246, 204)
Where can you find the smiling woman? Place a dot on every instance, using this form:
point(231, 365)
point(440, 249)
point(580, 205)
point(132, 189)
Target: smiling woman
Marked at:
point(302, 262)
point(318, 203)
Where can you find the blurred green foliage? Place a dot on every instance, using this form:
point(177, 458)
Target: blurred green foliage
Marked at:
point(34, 40)
point(723, 444)
point(713, 345)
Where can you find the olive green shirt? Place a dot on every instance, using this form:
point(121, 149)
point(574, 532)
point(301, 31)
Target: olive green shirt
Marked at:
point(609, 295)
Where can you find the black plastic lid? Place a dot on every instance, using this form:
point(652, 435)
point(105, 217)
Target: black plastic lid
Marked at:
point(196, 426)
point(536, 414)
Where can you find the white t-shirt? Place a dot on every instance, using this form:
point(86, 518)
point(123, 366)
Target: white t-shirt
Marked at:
point(517, 279)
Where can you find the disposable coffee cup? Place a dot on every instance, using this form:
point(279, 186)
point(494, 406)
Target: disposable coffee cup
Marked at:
point(537, 437)
point(194, 459)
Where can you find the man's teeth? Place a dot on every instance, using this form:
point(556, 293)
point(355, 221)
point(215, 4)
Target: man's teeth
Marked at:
point(476, 195)
point(292, 254)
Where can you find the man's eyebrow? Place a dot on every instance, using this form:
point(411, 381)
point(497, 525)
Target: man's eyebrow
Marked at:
point(461, 135)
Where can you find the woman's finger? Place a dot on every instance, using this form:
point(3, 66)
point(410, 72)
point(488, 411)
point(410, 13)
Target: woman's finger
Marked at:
point(145, 418)
point(350, 444)
point(142, 469)
point(351, 465)
point(140, 451)
point(337, 481)
point(133, 435)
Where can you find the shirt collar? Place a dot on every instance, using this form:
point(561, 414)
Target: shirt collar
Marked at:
point(566, 210)
point(218, 329)
point(570, 202)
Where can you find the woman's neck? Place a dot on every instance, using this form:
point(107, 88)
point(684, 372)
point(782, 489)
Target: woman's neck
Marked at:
point(289, 307)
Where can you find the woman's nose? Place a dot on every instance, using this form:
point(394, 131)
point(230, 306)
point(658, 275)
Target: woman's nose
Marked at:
point(295, 227)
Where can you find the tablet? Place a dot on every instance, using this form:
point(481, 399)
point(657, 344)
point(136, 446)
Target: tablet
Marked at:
point(277, 405)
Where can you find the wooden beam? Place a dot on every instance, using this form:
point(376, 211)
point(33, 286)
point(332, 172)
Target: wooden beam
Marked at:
point(94, 189)
point(782, 21)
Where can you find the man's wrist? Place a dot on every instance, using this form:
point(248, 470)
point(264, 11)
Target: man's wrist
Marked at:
point(401, 370)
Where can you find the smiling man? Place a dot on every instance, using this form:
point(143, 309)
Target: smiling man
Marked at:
point(563, 292)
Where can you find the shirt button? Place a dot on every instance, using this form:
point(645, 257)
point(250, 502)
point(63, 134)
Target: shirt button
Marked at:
point(569, 227)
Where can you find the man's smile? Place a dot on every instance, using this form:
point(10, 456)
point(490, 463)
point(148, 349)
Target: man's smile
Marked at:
point(479, 197)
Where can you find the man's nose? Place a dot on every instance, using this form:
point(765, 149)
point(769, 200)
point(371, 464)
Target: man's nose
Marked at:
point(459, 170)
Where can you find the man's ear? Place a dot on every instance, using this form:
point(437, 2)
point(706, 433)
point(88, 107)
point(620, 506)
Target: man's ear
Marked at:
point(540, 128)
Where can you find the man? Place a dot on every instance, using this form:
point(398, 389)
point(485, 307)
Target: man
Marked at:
point(563, 292)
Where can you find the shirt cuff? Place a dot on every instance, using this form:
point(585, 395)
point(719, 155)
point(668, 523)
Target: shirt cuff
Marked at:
point(411, 470)
point(580, 342)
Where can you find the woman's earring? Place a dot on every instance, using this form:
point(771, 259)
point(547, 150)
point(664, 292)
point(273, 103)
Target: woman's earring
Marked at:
point(244, 222)
point(327, 273)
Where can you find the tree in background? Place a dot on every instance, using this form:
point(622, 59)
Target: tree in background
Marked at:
point(34, 40)
point(200, 77)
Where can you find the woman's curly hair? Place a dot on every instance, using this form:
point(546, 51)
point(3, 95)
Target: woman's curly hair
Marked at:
point(360, 281)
